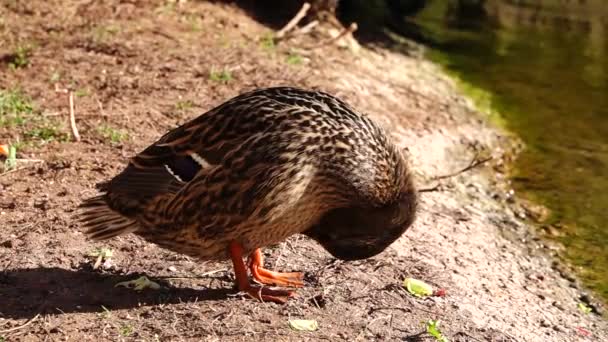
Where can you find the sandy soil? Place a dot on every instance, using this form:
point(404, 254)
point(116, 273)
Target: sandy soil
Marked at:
point(139, 68)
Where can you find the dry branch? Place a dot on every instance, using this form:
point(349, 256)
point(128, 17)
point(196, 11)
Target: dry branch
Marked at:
point(294, 21)
point(346, 31)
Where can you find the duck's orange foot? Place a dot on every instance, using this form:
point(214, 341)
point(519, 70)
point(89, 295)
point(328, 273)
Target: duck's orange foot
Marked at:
point(264, 276)
point(266, 294)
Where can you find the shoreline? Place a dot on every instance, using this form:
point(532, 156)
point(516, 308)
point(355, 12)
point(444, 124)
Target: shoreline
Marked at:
point(537, 257)
point(532, 213)
point(500, 282)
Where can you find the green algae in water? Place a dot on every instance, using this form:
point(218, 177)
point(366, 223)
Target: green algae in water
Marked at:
point(550, 88)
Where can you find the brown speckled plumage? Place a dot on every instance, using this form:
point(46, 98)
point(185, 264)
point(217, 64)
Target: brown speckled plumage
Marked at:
point(261, 167)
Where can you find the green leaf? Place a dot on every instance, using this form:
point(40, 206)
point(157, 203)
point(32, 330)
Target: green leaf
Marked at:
point(105, 253)
point(303, 324)
point(417, 287)
point(584, 308)
point(432, 327)
point(139, 284)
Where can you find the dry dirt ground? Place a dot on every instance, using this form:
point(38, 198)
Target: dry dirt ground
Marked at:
point(137, 69)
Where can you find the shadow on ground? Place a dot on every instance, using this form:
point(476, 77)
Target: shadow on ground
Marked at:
point(27, 292)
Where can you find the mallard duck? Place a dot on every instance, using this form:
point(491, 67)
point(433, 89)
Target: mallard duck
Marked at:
point(255, 170)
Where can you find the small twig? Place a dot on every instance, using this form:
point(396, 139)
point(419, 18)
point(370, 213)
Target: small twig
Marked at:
point(100, 105)
point(467, 335)
point(164, 34)
point(29, 160)
point(431, 189)
point(294, 21)
point(407, 310)
point(73, 118)
point(372, 310)
point(347, 30)
point(308, 27)
point(475, 162)
point(98, 261)
point(30, 321)
point(13, 170)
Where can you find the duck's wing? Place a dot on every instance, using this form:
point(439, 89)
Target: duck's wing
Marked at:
point(164, 168)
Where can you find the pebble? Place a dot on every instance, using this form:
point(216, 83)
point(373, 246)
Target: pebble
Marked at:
point(172, 269)
point(558, 305)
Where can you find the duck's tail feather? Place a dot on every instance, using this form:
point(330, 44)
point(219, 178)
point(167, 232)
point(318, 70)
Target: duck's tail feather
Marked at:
point(102, 222)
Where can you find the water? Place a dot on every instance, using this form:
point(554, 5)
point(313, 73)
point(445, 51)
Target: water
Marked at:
point(550, 85)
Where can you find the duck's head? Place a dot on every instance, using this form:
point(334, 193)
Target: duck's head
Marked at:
point(353, 233)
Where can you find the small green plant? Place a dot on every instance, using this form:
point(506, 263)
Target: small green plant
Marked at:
point(195, 23)
point(81, 93)
point(223, 76)
point(126, 330)
point(294, 59)
point(2, 339)
point(114, 135)
point(14, 108)
point(21, 57)
point(165, 8)
point(432, 327)
point(104, 32)
point(106, 313)
point(46, 133)
point(267, 42)
point(11, 160)
point(55, 77)
point(184, 105)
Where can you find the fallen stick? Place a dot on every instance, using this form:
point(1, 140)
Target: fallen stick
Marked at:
point(73, 127)
point(308, 27)
point(13, 171)
point(21, 160)
point(21, 326)
point(73, 118)
point(347, 30)
point(294, 21)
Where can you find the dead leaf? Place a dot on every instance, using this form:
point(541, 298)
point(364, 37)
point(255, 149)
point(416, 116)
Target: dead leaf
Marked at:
point(303, 324)
point(139, 284)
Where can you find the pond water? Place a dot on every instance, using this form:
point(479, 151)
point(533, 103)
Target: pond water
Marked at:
point(550, 85)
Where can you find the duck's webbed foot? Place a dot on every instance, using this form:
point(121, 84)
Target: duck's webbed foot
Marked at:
point(242, 280)
point(264, 276)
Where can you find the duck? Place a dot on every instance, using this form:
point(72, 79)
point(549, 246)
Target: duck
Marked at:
point(263, 166)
